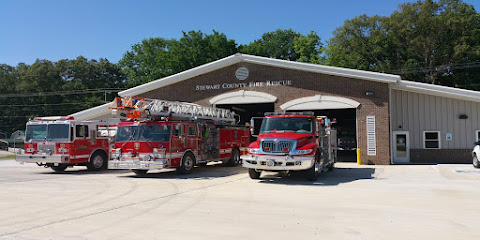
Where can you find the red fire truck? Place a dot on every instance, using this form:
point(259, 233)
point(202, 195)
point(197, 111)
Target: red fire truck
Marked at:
point(61, 142)
point(292, 142)
point(161, 134)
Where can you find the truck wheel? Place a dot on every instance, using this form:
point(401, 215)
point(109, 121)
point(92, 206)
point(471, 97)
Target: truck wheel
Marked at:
point(97, 162)
point(140, 172)
point(234, 159)
point(59, 168)
point(253, 174)
point(188, 162)
point(331, 166)
point(476, 163)
point(311, 174)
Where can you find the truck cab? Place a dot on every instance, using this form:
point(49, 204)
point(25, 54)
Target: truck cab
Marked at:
point(292, 142)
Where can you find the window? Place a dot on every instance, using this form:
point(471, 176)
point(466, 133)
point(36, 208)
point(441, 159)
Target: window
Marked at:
point(477, 136)
point(178, 130)
point(81, 131)
point(431, 139)
point(191, 131)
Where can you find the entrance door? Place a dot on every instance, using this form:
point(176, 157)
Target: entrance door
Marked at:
point(401, 147)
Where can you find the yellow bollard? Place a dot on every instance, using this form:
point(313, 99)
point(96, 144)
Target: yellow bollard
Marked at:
point(358, 156)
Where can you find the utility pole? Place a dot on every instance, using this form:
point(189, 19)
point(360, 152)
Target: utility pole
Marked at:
point(106, 94)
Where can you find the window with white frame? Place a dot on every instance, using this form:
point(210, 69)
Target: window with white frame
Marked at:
point(431, 139)
point(477, 135)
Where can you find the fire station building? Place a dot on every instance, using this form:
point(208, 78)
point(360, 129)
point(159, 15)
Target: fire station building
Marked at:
point(389, 119)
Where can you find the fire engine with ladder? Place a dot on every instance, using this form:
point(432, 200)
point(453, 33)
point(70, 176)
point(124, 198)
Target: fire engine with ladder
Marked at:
point(158, 134)
point(61, 142)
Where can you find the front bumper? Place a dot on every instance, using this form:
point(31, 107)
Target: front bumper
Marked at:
point(44, 158)
point(138, 164)
point(278, 163)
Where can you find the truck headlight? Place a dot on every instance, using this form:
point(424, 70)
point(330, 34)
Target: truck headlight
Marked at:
point(303, 152)
point(115, 153)
point(159, 152)
point(252, 150)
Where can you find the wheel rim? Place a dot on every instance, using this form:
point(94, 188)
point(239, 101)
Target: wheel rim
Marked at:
point(188, 163)
point(98, 161)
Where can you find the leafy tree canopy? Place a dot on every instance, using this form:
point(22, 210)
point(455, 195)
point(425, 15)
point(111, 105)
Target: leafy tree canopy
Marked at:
point(48, 88)
point(287, 45)
point(427, 41)
point(155, 58)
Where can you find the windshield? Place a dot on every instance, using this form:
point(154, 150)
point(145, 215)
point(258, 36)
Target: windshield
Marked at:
point(155, 133)
point(47, 132)
point(126, 133)
point(287, 124)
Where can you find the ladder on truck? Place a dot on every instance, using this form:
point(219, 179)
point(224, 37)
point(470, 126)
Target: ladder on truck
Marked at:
point(141, 108)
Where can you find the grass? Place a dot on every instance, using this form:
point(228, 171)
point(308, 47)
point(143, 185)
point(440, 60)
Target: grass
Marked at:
point(7, 157)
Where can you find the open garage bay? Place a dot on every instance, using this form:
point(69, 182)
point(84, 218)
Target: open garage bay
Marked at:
point(216, 202)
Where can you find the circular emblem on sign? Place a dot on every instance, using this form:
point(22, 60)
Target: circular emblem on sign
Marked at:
point(241, 73)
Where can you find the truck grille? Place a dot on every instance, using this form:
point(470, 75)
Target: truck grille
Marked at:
point(44, 147)
point(277, 146)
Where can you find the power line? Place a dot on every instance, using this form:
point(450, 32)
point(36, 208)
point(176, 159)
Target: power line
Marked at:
point(438, 68)
point(58, 93)
point(13, 117)
point(50, 104)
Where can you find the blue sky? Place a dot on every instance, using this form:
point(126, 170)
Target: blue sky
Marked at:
point(65, 29)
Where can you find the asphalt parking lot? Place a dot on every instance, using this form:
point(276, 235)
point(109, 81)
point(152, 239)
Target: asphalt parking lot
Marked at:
point(216, 202)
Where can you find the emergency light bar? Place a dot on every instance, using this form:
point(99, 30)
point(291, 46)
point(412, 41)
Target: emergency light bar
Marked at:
point(53, 118)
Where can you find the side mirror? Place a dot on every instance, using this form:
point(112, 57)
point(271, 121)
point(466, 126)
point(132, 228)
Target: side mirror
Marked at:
point(255, 124)
point(252, 127)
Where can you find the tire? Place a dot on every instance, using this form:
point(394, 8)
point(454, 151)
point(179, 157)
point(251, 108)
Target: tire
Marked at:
point(60, 168)
point(97, 162)
point(311, 174)
point(253, 174)
point(476, 163)
point(187, 165)
point(140, 172)
point(234, 159)
point(331, 166)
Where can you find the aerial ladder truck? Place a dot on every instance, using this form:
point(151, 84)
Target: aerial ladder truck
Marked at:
point(157, 134)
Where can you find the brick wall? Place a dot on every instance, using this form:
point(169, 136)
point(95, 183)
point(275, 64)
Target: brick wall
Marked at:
point(303, 84)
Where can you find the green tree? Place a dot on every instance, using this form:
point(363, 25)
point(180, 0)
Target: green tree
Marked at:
point(360, 44)
point(48, 88)
point(287, 45)
point(426, 41)
point(309, 48)
point(155, 58)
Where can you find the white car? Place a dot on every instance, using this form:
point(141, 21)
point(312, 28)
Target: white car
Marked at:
point(475, 154)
